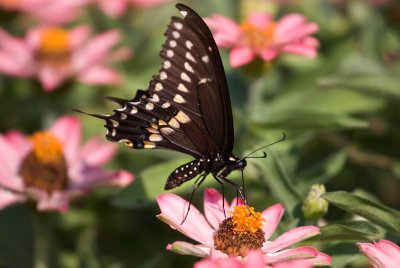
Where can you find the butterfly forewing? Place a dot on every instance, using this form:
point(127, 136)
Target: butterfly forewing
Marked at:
point(186, 107)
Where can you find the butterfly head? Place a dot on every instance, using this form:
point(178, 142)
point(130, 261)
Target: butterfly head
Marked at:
point(237, 163)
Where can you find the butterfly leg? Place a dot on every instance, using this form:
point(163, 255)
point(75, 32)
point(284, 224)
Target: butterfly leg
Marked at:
point(197, 184)
point(223, 193)
point(237, 186)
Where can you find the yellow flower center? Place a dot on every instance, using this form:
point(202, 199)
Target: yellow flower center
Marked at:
point(245, 219)
point(241, 232)
point(54, 47)
point(258, 37)
point(45, 167)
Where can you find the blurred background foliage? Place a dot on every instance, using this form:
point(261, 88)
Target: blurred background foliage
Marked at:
point(340, 113)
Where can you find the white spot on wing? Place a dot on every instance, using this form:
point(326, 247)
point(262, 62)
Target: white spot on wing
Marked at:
point(189, 44)
point(113, 132)
point(179, 99)
point(122, 109)
point(155, 98)
point(170, 53)
point(155, 137)
point(123, 116)
point(134, 110)
point(188, 67)
point(166, 130)
point(178, 25)
point(173, 123)
point(167, 64)
point(205, 59)
point(183, 12)
point(163, 75)
point(172, 43)
point(183, 88)
point(114, 123)
point(204, 80)
point(189, 56)
point(176, 34)
point(149, 106)
point(159, 87)
point(182, 117)
point(166, 105)
point(185, 77)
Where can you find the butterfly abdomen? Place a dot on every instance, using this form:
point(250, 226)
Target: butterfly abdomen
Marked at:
point(185, 173)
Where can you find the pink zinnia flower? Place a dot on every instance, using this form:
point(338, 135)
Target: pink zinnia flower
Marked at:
point(55, 54)
point(221, 237)
point(381, 254)
point(254, 259)
point(116, 8)
point(46, 11)
point(260, 36)
point(50, 167)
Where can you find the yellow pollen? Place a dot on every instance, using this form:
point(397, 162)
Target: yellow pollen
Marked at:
point(46, 147)
point(245, 219)
point(257, 37)
point(54, 40)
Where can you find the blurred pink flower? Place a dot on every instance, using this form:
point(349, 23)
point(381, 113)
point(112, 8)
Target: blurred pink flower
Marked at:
point(47, 11)
point(254, 259)
point(50, 167)
point(260, 36)
point(54, 54)
point(381, 254)
point(116, 8)
point(221, 237)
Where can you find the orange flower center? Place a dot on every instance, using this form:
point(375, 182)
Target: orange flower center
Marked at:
point(241, 232)
point(45, 167)
point(258, 37)
point(10, 4)
point(54, 47)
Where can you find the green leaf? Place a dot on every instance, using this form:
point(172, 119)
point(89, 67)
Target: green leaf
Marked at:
point(16, 237)
point(377, 84)
point(375, 212)
point(274, 175)
point(301, 120)
point(323, 171)
point(348, 231)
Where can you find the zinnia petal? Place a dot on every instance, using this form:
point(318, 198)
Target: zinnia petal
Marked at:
point(272, 216)
point(173, 211)
point(305, 252)
point(240, 56)
point(213, 207)
point(186, 248)
point(291, 237)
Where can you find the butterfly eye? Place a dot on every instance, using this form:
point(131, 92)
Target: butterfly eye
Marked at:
point(241, 164)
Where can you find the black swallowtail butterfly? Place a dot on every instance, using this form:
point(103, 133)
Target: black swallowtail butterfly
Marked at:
point(186, 107)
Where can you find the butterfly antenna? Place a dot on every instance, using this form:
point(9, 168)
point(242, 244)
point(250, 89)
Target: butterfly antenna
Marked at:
point(265, 155)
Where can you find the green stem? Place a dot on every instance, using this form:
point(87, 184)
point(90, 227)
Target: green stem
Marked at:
point(41, 230)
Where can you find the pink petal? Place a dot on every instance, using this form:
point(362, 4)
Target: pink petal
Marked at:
point(291, 264)
point(390, 248)
point(213, 207)
point(58, 201)
point(293, 27)
point(272, 216)
point(95, 152)
point(51, 77)
point(10, 160)
point(255, 259)
point(78, 36)
point(377, 256)
point(173, 211)
point(259, 19)
point(121, 178)
point(186, 248)
point(299, 253)
point(225, 31)
point(321, 259)
point(114, 8)
point(218, 263)
point(16, 57)
point(240, 56)
point(95, 51)
point(269, 53)
point(85, 178)
point(8, 198)
point(68, 130)
point(100, 75)
point(291, 237)
point(19, 142)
